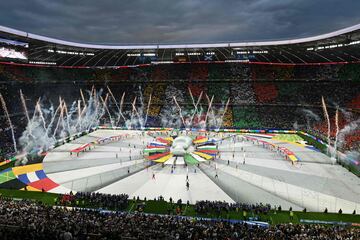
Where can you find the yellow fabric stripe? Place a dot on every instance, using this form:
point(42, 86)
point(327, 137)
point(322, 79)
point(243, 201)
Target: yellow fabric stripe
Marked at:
point(293, 158)
point(202, 140)
point(4, 162)
point(204, 155)
point(30, 188)
point(27, 169)
point(170, 139)
point(163, 159)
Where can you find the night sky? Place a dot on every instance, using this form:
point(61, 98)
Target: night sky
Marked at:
point(170, 21)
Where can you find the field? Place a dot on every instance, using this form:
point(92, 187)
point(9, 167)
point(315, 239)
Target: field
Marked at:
point(277, 169)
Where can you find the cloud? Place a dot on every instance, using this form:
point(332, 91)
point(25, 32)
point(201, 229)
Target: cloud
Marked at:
point(164, 21)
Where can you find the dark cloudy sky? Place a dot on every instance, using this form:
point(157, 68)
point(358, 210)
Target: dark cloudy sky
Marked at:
point(178, 21)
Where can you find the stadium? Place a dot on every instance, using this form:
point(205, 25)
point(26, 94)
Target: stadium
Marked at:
point(243, 134)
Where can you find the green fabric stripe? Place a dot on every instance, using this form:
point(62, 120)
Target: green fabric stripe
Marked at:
point(7, 176)
point(155, 150)
point(190, 159)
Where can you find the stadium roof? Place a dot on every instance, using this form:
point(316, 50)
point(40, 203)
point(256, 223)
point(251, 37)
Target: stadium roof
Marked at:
point(335, 47)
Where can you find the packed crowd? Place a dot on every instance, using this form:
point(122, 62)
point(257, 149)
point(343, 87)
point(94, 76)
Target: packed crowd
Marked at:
point(207, 207)
point(30, 220)
point(259, 83)
point(260, 96)
point(95, 200)
point(229, 71)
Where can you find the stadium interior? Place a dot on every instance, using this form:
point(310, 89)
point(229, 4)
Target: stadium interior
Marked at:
point(236, 135)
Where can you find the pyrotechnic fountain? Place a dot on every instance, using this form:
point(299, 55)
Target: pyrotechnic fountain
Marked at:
point(336, 135)
point(212, 118)
point(24, 106)
point(180, 111)
point(222, 116)
point(47, 125)
point(340, 133)
point(9, 121)
point(209, 107)
point(195, 104)
point(328, 123)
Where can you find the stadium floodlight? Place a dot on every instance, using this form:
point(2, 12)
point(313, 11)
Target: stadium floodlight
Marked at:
point(133, 54)
point(260, 52)
point(354, 42)
point(71, 52)
point(42, 63)
point(194, 54)
point(149, 54)
point(333, 46)
point(243, 52)
point(162, 62)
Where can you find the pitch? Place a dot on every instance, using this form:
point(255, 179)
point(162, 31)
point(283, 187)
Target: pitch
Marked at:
point(224, 166)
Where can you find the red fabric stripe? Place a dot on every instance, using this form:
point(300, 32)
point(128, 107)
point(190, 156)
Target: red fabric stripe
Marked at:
point(207, 151)
point(45, 183)
point(199, 137)
point(149, 146)
point(156, 156)
point(79, 149)
point(162, 140)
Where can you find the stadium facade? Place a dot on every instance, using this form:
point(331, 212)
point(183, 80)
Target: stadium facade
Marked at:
point(340, 46)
